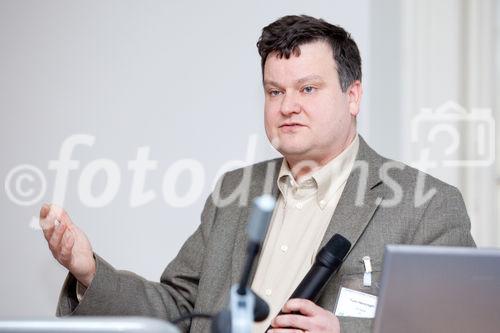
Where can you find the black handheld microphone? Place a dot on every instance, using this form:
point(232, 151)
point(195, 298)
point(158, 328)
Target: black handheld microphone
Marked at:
point(328, 261)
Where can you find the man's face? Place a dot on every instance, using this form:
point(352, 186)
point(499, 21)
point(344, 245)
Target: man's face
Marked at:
point(307, 116)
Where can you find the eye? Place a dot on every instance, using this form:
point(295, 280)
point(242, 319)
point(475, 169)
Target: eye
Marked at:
point(308, 89)
point(274, 92)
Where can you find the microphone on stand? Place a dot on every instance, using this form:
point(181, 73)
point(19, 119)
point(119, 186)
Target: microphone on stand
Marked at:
point(245, 306)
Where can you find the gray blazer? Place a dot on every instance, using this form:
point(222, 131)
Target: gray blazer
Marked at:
point(211, 260)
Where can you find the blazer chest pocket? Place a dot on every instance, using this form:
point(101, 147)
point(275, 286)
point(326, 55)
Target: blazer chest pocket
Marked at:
point(355, 281)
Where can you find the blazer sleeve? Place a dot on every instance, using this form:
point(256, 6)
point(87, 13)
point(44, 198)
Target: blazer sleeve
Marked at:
point(445, 220)
point(121, 293)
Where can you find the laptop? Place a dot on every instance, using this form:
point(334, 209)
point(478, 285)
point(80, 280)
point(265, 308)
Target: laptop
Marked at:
point(87, 325)
point(439, 289)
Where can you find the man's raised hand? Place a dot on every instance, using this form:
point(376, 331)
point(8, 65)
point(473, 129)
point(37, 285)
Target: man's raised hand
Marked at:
point(69, 245)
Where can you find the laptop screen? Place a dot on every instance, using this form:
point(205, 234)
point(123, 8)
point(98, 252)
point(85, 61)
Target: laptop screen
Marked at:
point(439, 289)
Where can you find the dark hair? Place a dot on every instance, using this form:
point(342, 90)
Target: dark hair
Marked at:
point(286, 34)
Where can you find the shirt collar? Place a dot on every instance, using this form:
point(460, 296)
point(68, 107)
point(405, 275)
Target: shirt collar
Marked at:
point(328, 179)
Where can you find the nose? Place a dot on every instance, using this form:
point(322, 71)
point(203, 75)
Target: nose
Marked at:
point(289, 104)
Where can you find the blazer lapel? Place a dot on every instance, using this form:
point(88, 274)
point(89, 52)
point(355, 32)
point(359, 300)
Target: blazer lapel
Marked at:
point(350, 218)
point(353, 214)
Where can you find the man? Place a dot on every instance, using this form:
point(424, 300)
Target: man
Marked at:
point(329, 182)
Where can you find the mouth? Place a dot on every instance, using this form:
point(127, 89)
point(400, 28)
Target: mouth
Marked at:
point(291, 126)
point(291, 123)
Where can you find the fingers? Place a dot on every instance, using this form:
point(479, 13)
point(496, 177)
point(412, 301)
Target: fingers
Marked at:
point(46, 222)
point(298, 315)
point(310, 318)
point(67, 243)
point(61, 243)
point(304, 306)
point(50, 216)
point(56, 237)
point(44, 211)
point(291, 322)
point(58, 231)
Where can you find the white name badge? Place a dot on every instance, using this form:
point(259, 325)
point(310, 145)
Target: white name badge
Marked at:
point(353, 303)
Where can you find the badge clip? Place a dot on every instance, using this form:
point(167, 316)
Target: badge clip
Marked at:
point(367, 277)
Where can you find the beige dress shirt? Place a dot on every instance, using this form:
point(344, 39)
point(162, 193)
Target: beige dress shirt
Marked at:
point(300, 219)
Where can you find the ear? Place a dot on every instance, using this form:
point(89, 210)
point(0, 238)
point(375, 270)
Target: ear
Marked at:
point(354, 93)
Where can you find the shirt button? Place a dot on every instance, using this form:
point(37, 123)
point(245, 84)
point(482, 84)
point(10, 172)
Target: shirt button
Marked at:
point(322, 202)
point(299, 205)
point(268, 292)
point(284, 248)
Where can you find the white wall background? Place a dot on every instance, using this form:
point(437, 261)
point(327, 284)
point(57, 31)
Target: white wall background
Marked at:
point(182, 78)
